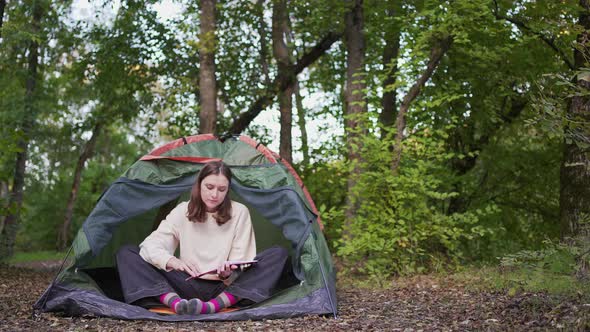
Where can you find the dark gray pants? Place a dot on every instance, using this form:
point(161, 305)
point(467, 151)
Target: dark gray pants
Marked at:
point(140, 279)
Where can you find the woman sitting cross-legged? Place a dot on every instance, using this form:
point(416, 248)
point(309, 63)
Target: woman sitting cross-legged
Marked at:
point(211, 231)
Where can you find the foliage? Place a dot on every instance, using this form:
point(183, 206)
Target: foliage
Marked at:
point(551, 102)
point(557, 267)
point(48, 188)
point(479, 176)
point(568, 258)
point(401, 226)
point(328, 185)
point(518, 173)
point(560, 268)
point(557, 258)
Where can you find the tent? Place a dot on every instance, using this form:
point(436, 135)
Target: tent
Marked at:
point(282, 211)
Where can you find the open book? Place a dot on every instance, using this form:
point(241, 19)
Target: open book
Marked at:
point(214, 271)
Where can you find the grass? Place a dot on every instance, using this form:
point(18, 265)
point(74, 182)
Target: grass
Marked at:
point(25, 257)
point(518, 280)
point(510, 280)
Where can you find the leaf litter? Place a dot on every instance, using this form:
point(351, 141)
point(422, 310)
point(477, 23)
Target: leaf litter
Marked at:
point(420, 304)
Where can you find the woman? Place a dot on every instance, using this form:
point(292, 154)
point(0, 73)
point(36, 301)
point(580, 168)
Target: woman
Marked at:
point(211, 230)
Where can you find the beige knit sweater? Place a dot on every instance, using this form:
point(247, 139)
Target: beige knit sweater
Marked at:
point(206, 245)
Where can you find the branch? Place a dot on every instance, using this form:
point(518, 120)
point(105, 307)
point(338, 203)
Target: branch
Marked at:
point(280, 83)
point(317, 51)
point(524, 27)
point(436, 53)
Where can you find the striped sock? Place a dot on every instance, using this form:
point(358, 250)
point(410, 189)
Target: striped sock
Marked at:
point(223, 300)
point(174, 301)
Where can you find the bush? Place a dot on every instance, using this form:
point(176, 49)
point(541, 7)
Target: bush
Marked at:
point(566, 258)
point(401, 225)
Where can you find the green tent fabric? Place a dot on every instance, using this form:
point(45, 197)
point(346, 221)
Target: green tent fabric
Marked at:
point(282, 211)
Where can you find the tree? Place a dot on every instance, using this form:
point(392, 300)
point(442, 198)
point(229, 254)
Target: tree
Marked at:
point(390, 67)
point(207, 80)
point(284, 66)
point(574, 200)
point(301, 113)
point(117, 80)
point(3, 184)
point(542, 35)
point(436, 53)
point(302, 125)
point(354, 100)
point(27, 124)
point(63, 237)
point(532, 21)
point(263, 42)
point(281, 83)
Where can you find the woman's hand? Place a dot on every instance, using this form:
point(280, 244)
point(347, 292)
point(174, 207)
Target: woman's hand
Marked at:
point(179, 265)
point(225, 270)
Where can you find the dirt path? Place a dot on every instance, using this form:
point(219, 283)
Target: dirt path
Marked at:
point(422, 303)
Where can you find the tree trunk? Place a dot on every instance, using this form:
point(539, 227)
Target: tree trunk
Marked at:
point(207, 84)
point(263, 45)
point(302, 126)
point(63, 238)
point(2, 7)
point(299, 104)
point(436, 53)
point(355, 103)
point(281, 83)
point(390, 55)
point(8, 234)
point(4, 203)
point(285, 69)
point(574, 201)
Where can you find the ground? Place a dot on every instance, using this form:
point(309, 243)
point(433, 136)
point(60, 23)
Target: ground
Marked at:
point(425, 303)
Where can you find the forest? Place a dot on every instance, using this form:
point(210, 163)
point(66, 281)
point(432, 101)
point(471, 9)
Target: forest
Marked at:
point(431, 134)
point(444, 142)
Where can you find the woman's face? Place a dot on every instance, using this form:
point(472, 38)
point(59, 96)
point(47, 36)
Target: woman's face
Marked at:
point(214, 188)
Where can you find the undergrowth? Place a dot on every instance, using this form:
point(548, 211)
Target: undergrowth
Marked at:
point(559, 268)
point(34, 256)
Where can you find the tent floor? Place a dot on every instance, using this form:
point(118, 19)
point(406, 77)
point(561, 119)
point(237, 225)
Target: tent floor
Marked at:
point(107, 278)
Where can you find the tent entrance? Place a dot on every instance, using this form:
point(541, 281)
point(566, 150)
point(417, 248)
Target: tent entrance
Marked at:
point(102, 268)
point(136, 229)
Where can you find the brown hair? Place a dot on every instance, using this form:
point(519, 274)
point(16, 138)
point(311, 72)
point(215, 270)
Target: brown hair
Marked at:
point(197, 210)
